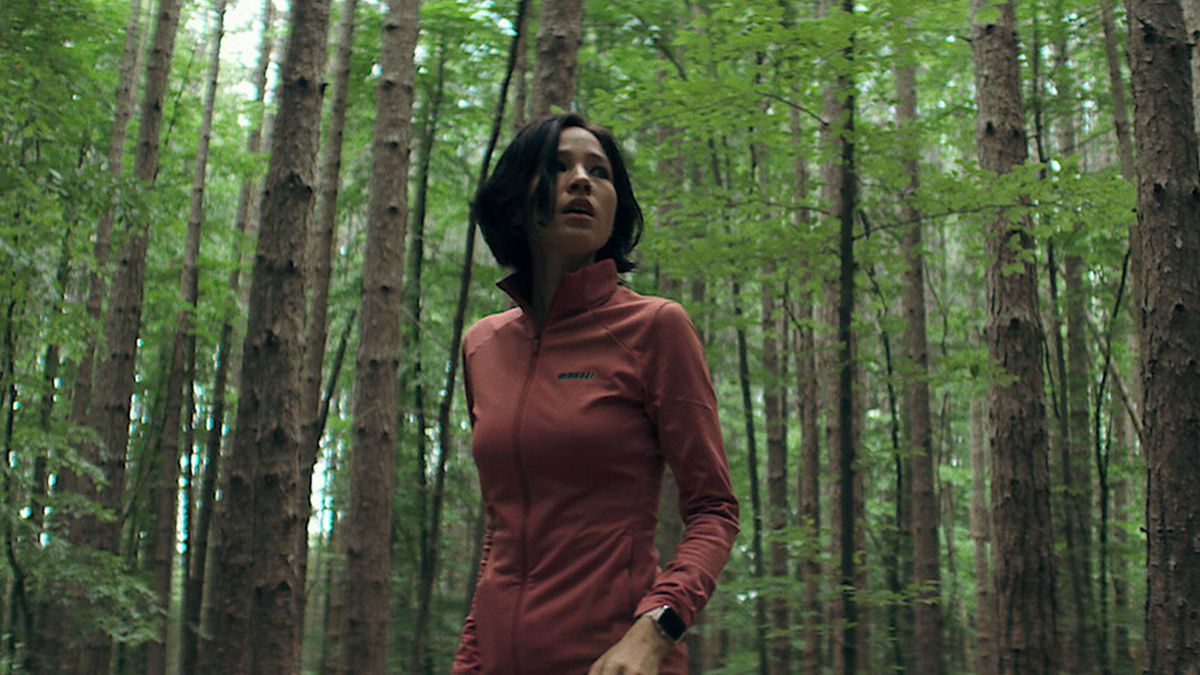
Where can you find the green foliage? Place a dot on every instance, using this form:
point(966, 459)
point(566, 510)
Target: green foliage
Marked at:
point(718, 104)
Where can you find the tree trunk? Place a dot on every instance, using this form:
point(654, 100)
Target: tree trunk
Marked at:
point(1122, 660)
point(1022, 529)
point(183, 345)
point(1079, 489)
point(1166, 241)
point(848, 656)
point(560, 28)
point(430, 536)
point(374, 440)
point(985, 600)
point(1191, 18)
point(808, 494)
point(256, 575)
point(927, 608)
point(520, 102)
point(1112, 54)
point(114, 377)
point(464, 283)
point(126, 91)
point(321, 242)
point(756, 548)
point(1077, 478)
point(333, 656)
point(774, 409)
point(194, 586)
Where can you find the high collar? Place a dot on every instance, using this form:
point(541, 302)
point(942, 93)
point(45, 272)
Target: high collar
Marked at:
point(585, 287)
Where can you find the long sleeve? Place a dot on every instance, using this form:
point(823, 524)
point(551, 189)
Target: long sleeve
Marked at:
point(681, 403)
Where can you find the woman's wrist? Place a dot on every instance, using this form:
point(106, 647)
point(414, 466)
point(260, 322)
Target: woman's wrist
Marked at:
point(648, 631)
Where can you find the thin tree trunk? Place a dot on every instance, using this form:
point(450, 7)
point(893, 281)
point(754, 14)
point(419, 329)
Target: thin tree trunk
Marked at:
point(14, 585)
point(1122, 661)
point(321, 242)
point(183, 345)
point(560, 27)
point(1112, 55)
point(333, 657)
point(1191, 19)
point(430, 528)
point(1077, 479)
point(464, 286)
point(985, 601)
point(808, 493)
point(125, 99)
point(774, 408)
point(114, 379)
point(1022, 528)
point(194, 586)
point(520, 102)
point(848, 658)
point(756, 547)
point(256, 575)
point(927, 608)
point(1166, 244)
point(1080, 490)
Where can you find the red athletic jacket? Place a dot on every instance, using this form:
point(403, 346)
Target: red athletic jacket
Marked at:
point(570, 433)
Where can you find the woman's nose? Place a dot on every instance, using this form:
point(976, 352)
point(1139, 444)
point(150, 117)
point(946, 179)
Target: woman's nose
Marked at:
point(578, 179)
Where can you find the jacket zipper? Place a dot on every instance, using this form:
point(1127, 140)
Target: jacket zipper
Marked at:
point(526, 498)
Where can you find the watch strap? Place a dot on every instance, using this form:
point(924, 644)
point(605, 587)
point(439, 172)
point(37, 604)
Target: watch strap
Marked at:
point(668, 622)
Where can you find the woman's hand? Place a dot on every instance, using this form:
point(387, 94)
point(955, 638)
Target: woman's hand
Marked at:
point(637, 653)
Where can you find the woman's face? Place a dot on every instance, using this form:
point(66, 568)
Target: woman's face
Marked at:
point(585, 201)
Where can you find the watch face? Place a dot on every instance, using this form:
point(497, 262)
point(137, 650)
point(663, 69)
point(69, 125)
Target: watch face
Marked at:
point(671, 624)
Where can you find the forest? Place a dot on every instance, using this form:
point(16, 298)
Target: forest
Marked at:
point(943, 256)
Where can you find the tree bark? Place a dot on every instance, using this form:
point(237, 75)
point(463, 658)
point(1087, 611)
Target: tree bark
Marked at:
point(927, 608)
point(1191, 19)
point(985, 600)
point(183, 345)
point(464, 283)
point(1116, 83)
point(774, 410)
point(560, 28)
point(1022, 529)
point(200, 563)
point(374, 439)
point(756, 547)
point(430, 536)
point(808, 493)
point(114, 377)
point(1166, 241)
point(848, 656)
point(520, 102)
point(1076, 465)
point(321, 243)
point(256, 575)
point(54, 641)
point(125, 99)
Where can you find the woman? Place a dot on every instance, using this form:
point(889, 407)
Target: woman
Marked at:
point(577, 397)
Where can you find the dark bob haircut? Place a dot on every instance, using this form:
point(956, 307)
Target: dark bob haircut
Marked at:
point(504, 207)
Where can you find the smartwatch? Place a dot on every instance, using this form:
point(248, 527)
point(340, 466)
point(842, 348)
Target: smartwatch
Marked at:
point(669, 624)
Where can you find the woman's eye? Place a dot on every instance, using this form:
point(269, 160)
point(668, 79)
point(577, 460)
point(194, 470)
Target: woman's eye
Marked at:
point(600, 172)
point(558, 166)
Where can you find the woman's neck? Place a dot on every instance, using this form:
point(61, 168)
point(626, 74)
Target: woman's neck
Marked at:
point(548, 271)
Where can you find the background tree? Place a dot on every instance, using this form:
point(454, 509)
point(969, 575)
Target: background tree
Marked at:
point(1166, 236)
point(1022, 542)
point(375, 386)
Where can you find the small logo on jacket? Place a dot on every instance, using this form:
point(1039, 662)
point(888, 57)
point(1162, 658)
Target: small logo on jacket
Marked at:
point(577, 375)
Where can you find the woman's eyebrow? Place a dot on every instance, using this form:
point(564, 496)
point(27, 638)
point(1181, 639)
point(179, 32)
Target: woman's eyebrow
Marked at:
point(587, 153)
